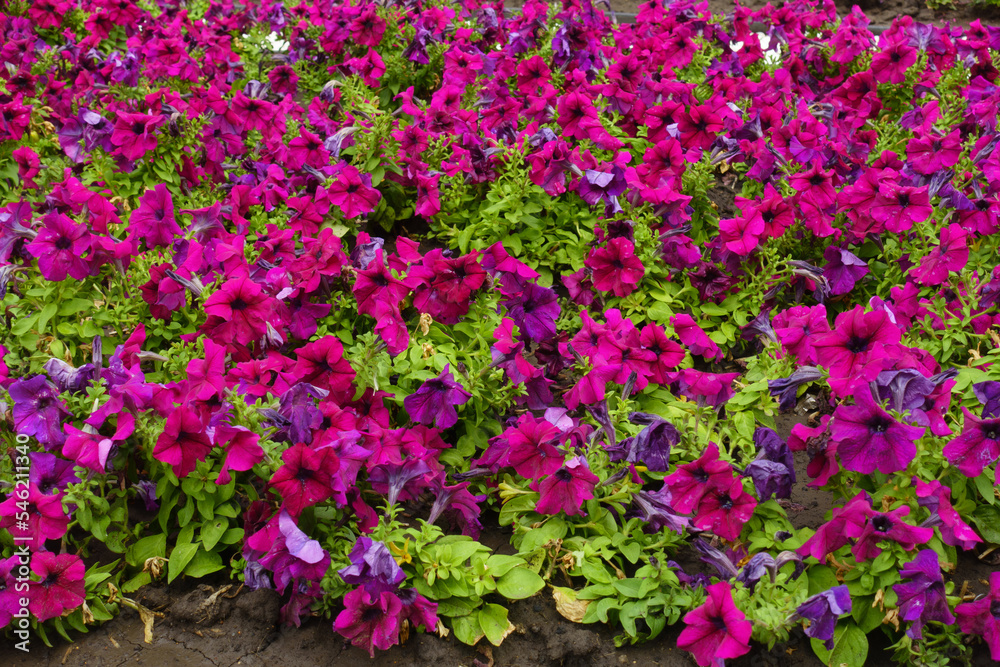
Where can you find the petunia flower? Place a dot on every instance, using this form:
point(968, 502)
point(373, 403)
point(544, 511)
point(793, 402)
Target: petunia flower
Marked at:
point(456, 503)
point(982, 617)
point(883, 526)
point(950, 256)
point(372, 567)
point(566, 489)
point(977, 447)
point(535, 311)
point(433, 404)
point(869, 438)
point(694, 338)
point(843, 270)
point(716, 630)
point(134, 134)
point(822, 611)
point(370, 621)
point(308, 477)
point(60, 246)
point(154, 222)
point(393, 479)
point(922, 599)
point(38, 412)
point(691, 481)
point(845, 523)
point(48, 520)
point(60, 587)
point(724, 509)
point(353, 192)
point(615, 267)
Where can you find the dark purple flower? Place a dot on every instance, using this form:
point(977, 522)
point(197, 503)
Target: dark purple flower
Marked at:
point(373, 567)
point(770, 478)
point(534, 310)
point(923, 598)
point(904, 389)
point(988, 394)
point(870, 439)
point(651, 447)
point(69, 378)
point(843, 270)
point(38, 411)
point(787, 389)
point(50, 473)
point(390, 479)
point(606, 186)
point(822, 611)
point(433, 404)
point(654, 508)
point(145, 490)
point(456, 502)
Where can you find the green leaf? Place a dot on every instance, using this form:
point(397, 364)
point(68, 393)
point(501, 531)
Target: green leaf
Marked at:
point(821, 578)
point(519, 583)
point(987, 519)
point(147, 547)
point(500, 564)
point(47, 313)
point(212, 531)
point(494, 623)
point(628, 587)
point(467, 629)
point(204, 562)
point(850, 646)
point(179, 559)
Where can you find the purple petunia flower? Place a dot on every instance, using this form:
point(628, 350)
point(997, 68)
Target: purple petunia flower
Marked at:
point(870, 439)
point(988, 394)
point(822, 611)
point(373, 567)
point(923, 598)
point(433, 404)
point(50, 473)
point(145, 490)
point(843, 270)
point(534, 310)
point(787, 389)
point(651, 447)
point(391, 479)
point(456, 502)
point(38, 411)
point(904, 389)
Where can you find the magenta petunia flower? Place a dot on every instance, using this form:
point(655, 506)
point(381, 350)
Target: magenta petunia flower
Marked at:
point(308, 477)
point(433, 404)
point(936, 498)
point(615, 267)
point(691, 481)
point(60, 588)
point(566, 489)
point(47, 520)
point(845, 523)
point(951, 255)
point(321, 363)
point(353, 192)
point(724, 509)
point(60, 246)
point(133, 134)
point(977, 447)
point(982, 617)
point(695, 338)
point(154, 222)
point(922, 599)
point(183, 442)
point(713, 389)
point(884, 526)
point(531, 447)
point(869, 438)
point(370, 621)
point(239, 310)
point(850, 347)
point(10, 597)
point(717, 630)
point(798, 328)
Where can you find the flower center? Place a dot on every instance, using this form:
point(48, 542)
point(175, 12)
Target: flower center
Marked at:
point(563, 475)
point(238, 304)
point(882, 523)
point(857, 344)
point(878, 424)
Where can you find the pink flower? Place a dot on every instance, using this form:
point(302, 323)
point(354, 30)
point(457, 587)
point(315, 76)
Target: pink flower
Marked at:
point(353, 192)
point(716, 630)
point(133, 134)
point(566, 489)
point(61, 587)
point(60, 247)
point(615, 267)
point(951, 255)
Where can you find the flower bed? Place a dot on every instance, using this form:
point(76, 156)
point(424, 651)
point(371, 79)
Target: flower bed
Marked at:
point(307, 295)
